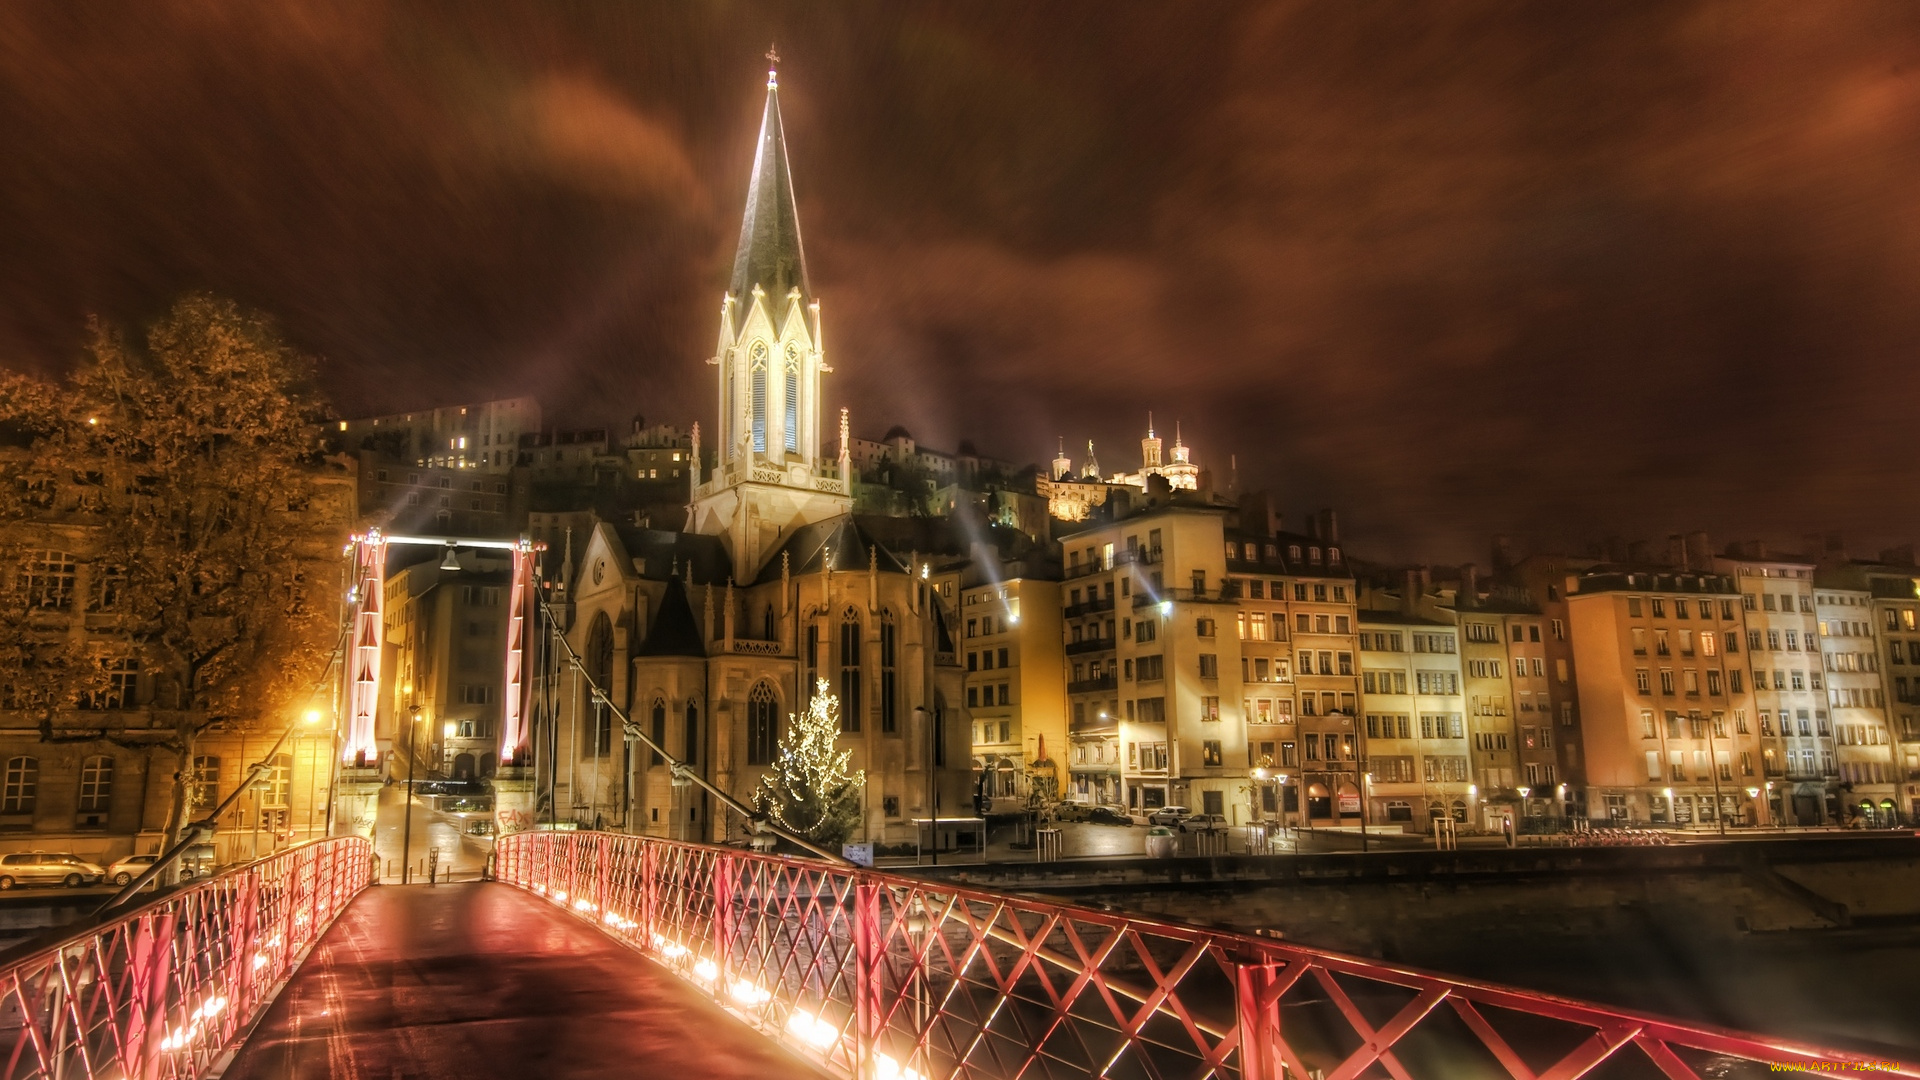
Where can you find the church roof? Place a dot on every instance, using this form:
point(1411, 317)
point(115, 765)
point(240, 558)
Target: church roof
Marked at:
point(661, 553)
point(837, 541)
point(674, 633)
point(769, 254)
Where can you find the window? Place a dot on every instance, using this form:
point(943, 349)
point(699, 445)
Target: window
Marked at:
point(792, 438)
point(21, 785)
point(659, 730)
point(1209, 708)
point(757, 380)
point(850, 671)
point(1209, 666)
point(96, 784)
point(889, 718)
point(692, 753)
point(600, 670)
point(46, 579)
point(278, 782)
point(1210, 753)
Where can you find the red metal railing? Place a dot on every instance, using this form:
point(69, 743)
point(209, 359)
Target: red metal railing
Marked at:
point(165, 989)
point(875, 975)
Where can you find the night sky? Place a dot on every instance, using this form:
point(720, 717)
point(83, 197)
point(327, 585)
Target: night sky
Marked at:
point(1561, 270)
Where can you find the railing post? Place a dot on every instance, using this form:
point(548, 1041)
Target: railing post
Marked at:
point(649, 891)
point(1258, 1016)
point(868, 981)
point(159, 977)
point(722, 916)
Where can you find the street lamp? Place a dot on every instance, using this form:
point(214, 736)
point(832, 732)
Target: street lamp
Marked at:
point(406, 809)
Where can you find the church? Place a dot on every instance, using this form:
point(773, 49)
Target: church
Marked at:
point(711, 637)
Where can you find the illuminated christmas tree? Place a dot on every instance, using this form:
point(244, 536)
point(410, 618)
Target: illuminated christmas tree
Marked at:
point(810, 790)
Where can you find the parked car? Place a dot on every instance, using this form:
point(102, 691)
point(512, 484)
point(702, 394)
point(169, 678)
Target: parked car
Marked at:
point(129, 868)
point(1107, 815)
point(1167, 815)
point(1202, 822)
point(48, 868)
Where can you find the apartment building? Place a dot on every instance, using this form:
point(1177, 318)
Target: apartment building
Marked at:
point(1543, 582)
point(1788, 681)
point(1413, 764)
point(1491, 677)
point(1863, 740)
point(1158, 663)
point(1668, 723)
point(1014, 657)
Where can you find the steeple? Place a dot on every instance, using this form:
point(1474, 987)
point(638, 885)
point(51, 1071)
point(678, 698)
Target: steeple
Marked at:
point(768, 476)
point(769, 255)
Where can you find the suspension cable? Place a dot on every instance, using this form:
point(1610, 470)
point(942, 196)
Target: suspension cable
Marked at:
point(680, 769)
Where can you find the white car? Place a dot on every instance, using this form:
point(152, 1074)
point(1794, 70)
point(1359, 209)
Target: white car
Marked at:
point(1167, 815)
point(125, 870)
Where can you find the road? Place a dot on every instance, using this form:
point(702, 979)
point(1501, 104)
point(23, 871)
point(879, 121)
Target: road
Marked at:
point(462, 855)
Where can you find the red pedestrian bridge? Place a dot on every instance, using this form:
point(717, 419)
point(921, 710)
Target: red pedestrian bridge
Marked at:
point(603, 955)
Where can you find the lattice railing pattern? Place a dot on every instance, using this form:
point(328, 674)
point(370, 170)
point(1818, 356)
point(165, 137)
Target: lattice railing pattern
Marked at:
point(876, 975)
point(164, 989)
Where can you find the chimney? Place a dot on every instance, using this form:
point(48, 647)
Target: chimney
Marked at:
point(1699, 552)
point(1677, 551)
point(1327, 526)
point(1469, 596)
point(1256, 513)
point(1502, 552)
point(1410, 590)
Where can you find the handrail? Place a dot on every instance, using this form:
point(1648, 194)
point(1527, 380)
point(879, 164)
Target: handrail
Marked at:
point(166, 989)
point(877, 974)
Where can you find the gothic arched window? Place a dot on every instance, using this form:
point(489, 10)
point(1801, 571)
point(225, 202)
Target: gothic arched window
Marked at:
point(692, 753)
point(757, 376)
point(889, 719)
point(793, 399)
point(600, 669)
point(763, 724)
point(850, 671)
point(659, 728)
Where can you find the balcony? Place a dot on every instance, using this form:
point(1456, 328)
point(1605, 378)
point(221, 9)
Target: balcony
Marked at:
point(1203, 596)
point(1089, 686)
point(1088, 607)
point(1094, 645)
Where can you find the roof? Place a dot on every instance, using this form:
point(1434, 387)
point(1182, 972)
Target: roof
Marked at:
point(660, 553)
point(769, 254)
point(838, 543)
point(673, 633)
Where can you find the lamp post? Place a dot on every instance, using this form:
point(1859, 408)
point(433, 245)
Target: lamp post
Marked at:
point(406, 808)
point(1713, 763)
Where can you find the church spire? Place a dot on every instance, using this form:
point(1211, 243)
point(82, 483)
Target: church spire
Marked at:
point(769, 255)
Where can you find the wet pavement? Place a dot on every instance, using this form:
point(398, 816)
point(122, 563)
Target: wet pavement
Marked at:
point(461, 855)
point(475, 981)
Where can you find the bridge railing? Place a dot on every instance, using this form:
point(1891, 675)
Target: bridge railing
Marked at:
point(164, 990)
point(882, 976)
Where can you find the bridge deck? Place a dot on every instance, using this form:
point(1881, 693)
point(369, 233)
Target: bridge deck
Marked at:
point(482, 980)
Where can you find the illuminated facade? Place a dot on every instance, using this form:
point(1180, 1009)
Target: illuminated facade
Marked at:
point(711, 638)
point(1787, 675)
point(1669, 726)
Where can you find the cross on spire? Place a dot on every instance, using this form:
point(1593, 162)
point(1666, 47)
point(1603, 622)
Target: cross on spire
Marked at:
point(773, 60)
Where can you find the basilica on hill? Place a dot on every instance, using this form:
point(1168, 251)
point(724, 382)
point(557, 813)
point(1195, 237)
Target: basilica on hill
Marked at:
point(710, 637)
